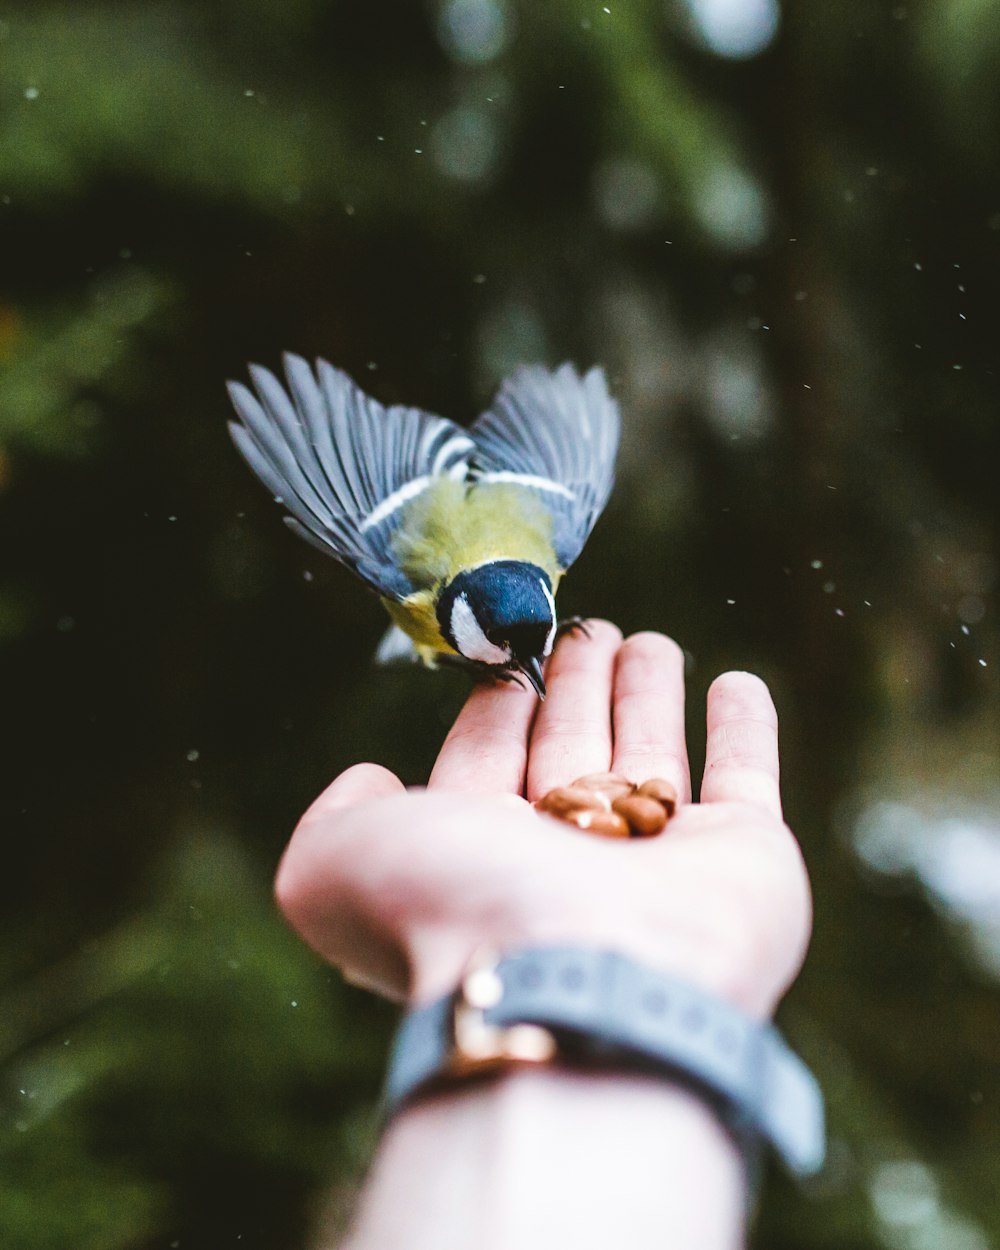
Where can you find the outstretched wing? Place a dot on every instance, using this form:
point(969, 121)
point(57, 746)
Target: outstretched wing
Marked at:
point(557, 434)
point(341, 463)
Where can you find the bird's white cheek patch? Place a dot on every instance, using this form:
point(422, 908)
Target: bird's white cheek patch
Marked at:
point(552, 628)
point(470, 639)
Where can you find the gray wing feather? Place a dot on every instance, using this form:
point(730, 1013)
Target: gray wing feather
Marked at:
point(335, 458)
point(561, 430)
point(267, 452)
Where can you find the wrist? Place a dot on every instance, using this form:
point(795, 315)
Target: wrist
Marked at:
point(549, 1157)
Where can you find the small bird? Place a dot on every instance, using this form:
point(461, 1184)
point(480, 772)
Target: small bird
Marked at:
point(463, 534)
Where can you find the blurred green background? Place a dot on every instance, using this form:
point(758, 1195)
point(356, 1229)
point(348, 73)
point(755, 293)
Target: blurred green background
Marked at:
point(777, 224)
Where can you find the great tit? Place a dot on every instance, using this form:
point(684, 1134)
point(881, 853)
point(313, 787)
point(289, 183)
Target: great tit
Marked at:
point(463, 534)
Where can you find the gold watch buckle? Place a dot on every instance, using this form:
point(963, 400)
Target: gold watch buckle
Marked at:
point(481, 1047)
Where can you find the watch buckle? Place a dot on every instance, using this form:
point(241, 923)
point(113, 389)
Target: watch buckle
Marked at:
point(480, 1047)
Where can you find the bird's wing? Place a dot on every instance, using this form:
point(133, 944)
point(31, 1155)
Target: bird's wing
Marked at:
point(557, 434)
point(341, 463)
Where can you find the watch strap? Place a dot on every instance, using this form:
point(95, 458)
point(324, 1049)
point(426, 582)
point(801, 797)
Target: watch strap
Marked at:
point(604, 1009)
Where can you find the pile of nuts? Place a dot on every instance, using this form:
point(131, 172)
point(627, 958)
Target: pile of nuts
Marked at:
point(612, 806)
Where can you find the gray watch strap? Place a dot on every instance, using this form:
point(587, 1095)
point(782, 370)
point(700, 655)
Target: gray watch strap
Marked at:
point(608, 1010)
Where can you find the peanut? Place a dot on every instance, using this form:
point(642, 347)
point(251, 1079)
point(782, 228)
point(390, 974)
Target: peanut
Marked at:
point(604, 824)
point(564, 801)
point(645, 816)
point(611, 784)
point(662, 791)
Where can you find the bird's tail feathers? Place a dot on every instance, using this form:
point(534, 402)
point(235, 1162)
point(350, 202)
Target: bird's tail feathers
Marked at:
point(396, 647)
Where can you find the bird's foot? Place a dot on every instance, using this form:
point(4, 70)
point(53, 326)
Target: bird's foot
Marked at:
point(481, 672)
point(570, 625)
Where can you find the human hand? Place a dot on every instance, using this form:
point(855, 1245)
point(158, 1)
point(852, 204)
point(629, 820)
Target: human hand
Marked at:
point(399, 888)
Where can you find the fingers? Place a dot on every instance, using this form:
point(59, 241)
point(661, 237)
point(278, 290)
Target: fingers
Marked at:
point(572, 733)
point(487, 748)
point(741, 753)
point(649, 712)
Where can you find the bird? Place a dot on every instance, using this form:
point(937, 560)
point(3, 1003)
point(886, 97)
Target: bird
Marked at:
point(463, 533)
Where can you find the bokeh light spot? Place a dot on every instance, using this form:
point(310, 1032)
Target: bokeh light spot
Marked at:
point(474, 32)
point(738, 29)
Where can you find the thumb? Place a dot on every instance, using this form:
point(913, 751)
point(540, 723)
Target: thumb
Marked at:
point(308, 851)
point(357, 784)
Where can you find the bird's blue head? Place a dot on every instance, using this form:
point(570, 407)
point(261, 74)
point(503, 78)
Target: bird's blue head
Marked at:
point(501, 614)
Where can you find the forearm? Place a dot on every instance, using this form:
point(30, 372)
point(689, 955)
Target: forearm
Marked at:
point(548, 1158)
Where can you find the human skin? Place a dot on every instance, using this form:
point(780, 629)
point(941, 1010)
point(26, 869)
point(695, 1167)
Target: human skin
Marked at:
point(399, 888)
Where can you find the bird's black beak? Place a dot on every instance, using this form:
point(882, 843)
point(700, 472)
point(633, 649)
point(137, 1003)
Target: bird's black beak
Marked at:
point(532, 669)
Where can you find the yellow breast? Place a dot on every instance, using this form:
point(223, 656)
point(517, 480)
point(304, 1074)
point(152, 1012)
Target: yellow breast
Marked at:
point(416, 616)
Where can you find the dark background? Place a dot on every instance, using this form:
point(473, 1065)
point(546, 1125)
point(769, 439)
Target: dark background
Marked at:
point(782, 241)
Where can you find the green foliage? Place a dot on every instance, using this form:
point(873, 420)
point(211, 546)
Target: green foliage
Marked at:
point(61, 356)
point(202, 1031)
point(135, 91)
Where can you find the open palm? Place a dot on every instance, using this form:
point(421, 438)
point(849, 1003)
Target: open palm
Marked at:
point(400, 887)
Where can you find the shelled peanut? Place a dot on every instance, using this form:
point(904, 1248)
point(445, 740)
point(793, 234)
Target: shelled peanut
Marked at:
point(612, 806)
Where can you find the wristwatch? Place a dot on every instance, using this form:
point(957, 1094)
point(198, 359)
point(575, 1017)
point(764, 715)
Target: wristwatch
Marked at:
point(602, 1009)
